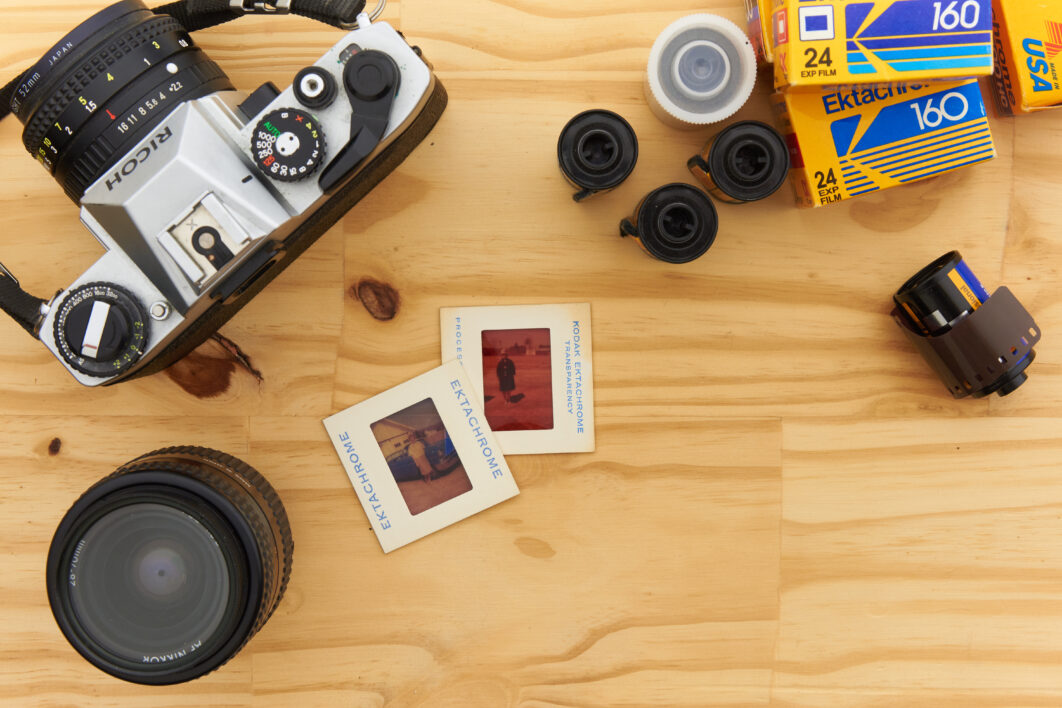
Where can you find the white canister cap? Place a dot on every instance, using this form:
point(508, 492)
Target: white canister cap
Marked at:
point(702, 69)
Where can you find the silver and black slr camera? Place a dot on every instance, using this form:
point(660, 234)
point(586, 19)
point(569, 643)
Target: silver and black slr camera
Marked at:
point(201, 194)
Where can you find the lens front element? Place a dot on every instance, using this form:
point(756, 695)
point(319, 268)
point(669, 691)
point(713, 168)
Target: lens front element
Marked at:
point(150, 583)
point(161, 572)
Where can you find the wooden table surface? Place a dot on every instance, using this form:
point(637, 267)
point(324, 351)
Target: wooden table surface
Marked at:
point(785, 506)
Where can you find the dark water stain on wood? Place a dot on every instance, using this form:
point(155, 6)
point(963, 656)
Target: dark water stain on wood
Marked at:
point(379, 298)
point(55, 446)
point(903, 208)
point(207, 372)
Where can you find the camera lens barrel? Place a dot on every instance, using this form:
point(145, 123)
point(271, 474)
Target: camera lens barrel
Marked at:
point(675, 223)
point(107, 84)
point(162, 571)
point(746, 162)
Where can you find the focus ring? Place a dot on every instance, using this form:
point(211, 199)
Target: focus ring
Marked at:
point(45, 116)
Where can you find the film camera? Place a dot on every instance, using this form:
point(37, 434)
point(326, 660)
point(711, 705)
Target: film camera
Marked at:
point(201, 194)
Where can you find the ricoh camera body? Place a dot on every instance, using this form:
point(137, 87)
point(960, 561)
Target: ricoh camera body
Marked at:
point(200, 194)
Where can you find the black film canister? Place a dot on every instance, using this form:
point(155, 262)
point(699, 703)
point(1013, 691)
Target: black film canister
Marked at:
point(941, 294)
point(597, 150)
point(745, 162)
point(977, 344)
point(675, 223)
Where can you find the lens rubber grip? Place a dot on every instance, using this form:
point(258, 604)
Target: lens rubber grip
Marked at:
point(103, 89)
point(45, 117)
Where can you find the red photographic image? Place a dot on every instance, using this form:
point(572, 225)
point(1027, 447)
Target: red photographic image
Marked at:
point(517, 379)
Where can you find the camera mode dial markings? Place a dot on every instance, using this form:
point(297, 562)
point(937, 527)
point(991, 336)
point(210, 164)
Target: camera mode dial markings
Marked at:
point(288, 145)
point(100, 329)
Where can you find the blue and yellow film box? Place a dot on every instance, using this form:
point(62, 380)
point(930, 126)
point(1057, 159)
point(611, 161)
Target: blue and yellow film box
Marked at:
point(1028, 55)
point(859, 140)
point(841, 42)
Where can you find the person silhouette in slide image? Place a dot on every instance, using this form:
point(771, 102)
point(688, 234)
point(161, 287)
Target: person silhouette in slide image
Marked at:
point(506, 376)
point(418, 451)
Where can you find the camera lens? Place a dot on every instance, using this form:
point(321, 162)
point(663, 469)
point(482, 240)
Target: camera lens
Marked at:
point(104, 86)
point(162, 571)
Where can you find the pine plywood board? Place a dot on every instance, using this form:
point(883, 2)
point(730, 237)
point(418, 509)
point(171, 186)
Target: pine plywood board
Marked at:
point(785, 507)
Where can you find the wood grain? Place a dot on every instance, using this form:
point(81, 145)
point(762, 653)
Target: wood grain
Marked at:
point(785, 507)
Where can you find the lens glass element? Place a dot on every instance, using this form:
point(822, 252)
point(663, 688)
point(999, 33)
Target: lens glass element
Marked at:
point(149, 583)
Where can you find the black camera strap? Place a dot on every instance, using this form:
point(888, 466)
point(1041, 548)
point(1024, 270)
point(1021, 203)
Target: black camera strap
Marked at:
point(19, 305)
point(193, 15)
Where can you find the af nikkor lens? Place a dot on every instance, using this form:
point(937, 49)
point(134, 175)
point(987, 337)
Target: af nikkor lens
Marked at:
point(103, 87)
point(162, 571)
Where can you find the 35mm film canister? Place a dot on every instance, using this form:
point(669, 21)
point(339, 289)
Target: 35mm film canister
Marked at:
point(745, 162)
point(675, 223)
point(978, 344)
point(597, 150)
point(702, 69)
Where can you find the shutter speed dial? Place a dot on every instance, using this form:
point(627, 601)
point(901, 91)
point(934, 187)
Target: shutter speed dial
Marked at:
point(288, 145)
point(100, 330)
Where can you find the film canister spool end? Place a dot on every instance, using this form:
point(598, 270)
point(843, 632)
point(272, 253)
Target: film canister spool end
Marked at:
point(701, 70)
point(597, 151)
point(746, 162)
point(977, 344)
point(675, 223)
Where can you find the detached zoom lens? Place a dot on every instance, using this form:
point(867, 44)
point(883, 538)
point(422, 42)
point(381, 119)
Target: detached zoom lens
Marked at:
point(104, 86)
point(162, 571)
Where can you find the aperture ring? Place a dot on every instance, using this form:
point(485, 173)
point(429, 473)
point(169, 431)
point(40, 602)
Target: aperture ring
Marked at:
point(72, 49)
point(58, 99)
point(123, 101)
point(110, 145)
point(96, 96)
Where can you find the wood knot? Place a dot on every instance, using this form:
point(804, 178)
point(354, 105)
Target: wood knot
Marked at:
point(534, 547)
point(55, 446)
point(379, 298)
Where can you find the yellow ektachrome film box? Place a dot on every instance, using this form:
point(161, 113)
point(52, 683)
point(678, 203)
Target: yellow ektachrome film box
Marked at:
point(1028, 37)
point(758, 16)
point(858, 140)
point(842, 42)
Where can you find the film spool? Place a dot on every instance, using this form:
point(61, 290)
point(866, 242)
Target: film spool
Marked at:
point(702, 69)
point(675, 223)
point(746, 162)
point(597, 151)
